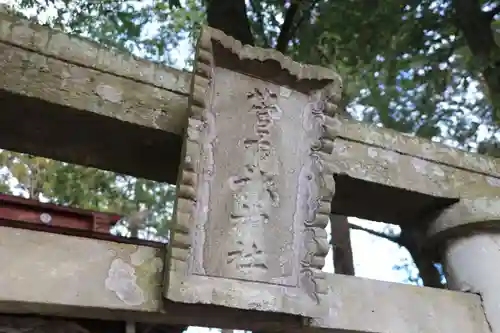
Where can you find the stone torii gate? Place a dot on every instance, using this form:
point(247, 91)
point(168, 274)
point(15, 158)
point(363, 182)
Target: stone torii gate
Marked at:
point(265, 159)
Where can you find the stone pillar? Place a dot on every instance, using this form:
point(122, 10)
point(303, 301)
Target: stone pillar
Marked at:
point(468, 238)
point(254, 190)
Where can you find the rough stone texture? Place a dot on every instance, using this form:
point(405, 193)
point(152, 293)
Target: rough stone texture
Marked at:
point(127, 275)
point(73, 81)
point(65, 98)
point(62, 275)
point(393, 169)
point(480, 213)
point(250, 206)
point(63, 83)
point(466, 235)
point(54, 274)
point(439, 153)
point(22, 33)
point(377, 167)
point(364, 305)
point(470, 265)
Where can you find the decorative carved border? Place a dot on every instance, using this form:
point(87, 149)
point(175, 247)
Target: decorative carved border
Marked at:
point(323, 104)
point(298, 70)
point(197, 169)
point(192, 166)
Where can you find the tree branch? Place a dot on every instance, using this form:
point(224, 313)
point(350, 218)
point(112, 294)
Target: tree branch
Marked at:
point(391, 238)
point(257, 9)
point(286, 27)
point(494, 12)
point(476, 28)
point(231, 18)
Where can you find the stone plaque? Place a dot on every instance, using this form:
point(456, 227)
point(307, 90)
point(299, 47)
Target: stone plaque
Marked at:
point(253, 191)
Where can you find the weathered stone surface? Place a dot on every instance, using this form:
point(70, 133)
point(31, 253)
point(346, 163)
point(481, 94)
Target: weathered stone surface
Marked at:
point(470, 265)
point(72, 269)
point(73, 74)
point(466, 216)
point(397, 160)
point(65, 98)
point(63, 83)
point(467, 238)
point(54, 274)
point(391, 140)
point(465, 230)
point(69, 99)
point(251, 207)
point(389, 168)
point(364, 305)
point(85, 53)
point(62, 275)
point(377, 167)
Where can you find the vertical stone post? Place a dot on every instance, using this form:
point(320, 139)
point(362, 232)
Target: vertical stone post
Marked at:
point(468, 238)
point(254, 192)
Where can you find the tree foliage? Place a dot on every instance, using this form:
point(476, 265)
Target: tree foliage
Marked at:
point(428, 67)
point(88, 188)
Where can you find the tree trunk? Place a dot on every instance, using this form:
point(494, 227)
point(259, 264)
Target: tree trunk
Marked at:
point(230, 16)
point(413, 239)
point(475, 24)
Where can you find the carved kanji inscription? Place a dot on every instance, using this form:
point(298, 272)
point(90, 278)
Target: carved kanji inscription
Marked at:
point(254, 192)
point(249, 223)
